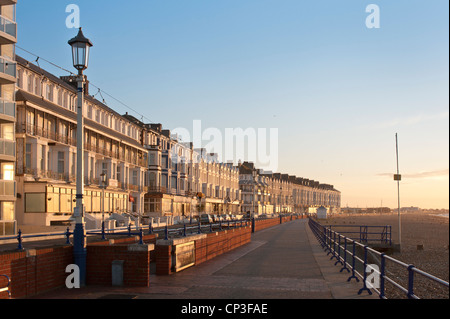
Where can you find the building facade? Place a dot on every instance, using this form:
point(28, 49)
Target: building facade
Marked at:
point(115, 160)
point(185, 181)
point(8, 72)
point(268, 193)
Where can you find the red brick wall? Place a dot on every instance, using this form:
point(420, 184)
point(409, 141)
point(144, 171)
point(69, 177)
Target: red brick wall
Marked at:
point(136, 267)
point(213, 245)
point(42, 270)
point(219, 243)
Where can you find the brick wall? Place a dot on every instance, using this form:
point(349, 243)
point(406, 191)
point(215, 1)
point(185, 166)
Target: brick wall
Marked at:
point(207, 247)
point(36, 270)
point(218, 243)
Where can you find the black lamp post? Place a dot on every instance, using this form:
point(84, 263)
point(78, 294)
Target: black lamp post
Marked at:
point(80, 56)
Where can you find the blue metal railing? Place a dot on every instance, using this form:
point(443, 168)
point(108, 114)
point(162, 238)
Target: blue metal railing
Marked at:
point(192, 227)
point(6, 288)
point(365, 233)
point(337, 245)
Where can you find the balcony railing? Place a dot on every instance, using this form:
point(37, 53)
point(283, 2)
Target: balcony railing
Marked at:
point(42, 132)
point(7, 66)
point(7, 147)
point(7, 188)
point(48, 174)
point(8, 26)
point(7, 108)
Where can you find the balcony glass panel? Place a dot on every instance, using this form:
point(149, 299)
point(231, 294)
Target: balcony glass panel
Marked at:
point(8, 26)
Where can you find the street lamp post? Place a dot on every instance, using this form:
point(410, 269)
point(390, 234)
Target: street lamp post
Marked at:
point(103, 180)
point(80, 56)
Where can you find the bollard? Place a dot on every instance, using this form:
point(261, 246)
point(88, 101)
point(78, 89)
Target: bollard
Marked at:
point(166, 233)
point(199, 228)
point(184, 230)
point(129, 230)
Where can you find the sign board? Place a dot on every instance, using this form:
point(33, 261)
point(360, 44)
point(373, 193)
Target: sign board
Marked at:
point(397, 177)
point(184, 256)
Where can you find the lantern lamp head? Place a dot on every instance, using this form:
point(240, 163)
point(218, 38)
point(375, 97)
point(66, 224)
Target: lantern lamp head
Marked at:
point(80, 51)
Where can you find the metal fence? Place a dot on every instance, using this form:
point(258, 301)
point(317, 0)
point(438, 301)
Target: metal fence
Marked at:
point(361, 261)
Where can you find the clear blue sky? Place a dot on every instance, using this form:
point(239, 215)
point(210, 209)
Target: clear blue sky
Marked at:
point(336, 90)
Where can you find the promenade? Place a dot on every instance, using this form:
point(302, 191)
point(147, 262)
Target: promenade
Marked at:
point(281, 262)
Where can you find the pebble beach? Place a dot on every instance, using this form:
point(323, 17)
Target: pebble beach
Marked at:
point(424, 242)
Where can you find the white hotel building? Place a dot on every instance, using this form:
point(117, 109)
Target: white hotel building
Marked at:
point(46, 152)
point(8, 39)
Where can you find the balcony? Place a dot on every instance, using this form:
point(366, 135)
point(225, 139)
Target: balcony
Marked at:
point(7, 71)
point(7, 2)
point(7, 190)
point(7, 110)
point(8, 30)
point(7, 150)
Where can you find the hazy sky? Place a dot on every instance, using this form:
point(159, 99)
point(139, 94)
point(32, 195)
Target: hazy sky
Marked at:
point(336, 90)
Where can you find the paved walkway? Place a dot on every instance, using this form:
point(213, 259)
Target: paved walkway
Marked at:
point(281, 262)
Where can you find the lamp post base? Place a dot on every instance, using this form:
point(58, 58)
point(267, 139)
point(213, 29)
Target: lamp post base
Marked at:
point(79, 250)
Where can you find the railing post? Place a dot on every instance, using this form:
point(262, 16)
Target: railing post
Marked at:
point(199, 228)
point(339, 251)
point(68, 236)
point(141, 237)
point(19, 239)
point(345, 256)
point(353, 264)
point(150, 227)
point(382, 273)
point(103, 230)
point(410, 281)
point(365, 274)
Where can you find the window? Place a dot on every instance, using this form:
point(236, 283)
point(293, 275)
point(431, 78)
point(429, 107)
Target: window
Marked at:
point(7, 131)
point(42, 158)
point(30, 83)
point(135, 177)
point(7, 211)
point(28, 155)
point(60, 162)
point(49, 92)
point(7, 172)
point(37, 86)
point(74, 155)
point(118, 173)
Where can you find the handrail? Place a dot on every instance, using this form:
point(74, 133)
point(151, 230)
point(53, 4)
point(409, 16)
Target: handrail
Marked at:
point(327, 239)
point(6, 288)
point(127, 231)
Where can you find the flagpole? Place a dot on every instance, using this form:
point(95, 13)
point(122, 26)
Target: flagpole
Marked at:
point(398, 178)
